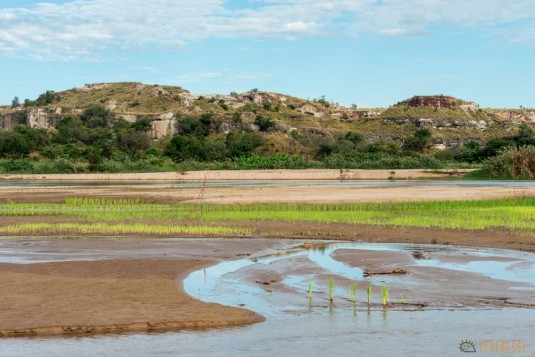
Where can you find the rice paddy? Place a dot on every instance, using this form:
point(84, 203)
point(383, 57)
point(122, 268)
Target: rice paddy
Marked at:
point(132, 216)
point(115, 229)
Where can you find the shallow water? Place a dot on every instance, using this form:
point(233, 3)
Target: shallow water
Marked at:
point(425, 333)
point(221, 283)
point(480, 183)
point(294, 326)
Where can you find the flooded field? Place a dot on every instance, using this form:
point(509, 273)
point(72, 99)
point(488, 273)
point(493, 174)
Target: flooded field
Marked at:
point(449, 295)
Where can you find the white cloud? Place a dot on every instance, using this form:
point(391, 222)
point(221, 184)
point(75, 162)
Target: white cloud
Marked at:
point(79, 28)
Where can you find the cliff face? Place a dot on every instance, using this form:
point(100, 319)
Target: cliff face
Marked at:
point(516, 115)
point(34, 118)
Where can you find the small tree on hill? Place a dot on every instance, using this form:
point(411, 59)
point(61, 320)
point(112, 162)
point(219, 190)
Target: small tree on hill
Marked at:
point(15, 102)
point(419, 141)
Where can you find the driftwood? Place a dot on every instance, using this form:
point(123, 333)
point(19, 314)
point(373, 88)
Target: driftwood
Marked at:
point(395, 271)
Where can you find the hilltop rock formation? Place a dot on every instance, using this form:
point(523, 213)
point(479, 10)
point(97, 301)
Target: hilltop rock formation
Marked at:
point(438, 101)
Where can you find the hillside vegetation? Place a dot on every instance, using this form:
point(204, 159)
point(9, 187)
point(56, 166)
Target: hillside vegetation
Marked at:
point(127, 127)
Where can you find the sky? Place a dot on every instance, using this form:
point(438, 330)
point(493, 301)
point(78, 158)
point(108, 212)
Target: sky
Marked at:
point(372, 53)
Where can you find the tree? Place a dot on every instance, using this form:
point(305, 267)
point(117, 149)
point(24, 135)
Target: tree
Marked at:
point(526, 135)
point(206, 123)
point(418, 141)
point(242, 143)
point(187, 125)
point(14, 145)
point(97, 116)
point(47, 97)
point(69, 131)
point(15, 102)
point(133, 142)
point(185, 147)
point(142, 125)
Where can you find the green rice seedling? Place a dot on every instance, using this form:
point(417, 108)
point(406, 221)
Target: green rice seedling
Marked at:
point(352, 291)
point(514, 214)
point(332, 286)
point(369, 292)
point(384, 294)
point(310, 289)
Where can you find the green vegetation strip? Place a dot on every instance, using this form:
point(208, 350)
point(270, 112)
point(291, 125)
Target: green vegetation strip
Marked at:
point(114, 216)
point(115, 229)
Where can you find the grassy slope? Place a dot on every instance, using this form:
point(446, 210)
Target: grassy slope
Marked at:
point(150, 100)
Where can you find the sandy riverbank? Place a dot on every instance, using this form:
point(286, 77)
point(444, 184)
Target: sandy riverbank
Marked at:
point(253, 175)
point(119, 286)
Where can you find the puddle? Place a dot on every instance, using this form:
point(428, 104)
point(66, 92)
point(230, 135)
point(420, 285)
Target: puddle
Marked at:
point(224, 284)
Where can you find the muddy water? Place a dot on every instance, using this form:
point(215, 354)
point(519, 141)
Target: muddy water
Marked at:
point(276, 286)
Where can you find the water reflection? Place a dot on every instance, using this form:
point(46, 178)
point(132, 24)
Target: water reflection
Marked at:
point(219, 286)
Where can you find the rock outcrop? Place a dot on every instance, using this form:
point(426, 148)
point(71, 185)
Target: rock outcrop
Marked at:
point(438, 101)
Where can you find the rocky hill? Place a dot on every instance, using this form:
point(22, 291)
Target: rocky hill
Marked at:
point(292, 121)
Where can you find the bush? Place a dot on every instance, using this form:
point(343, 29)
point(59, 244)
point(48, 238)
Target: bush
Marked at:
point(382, 161)
point(185, 147)
point(512, 163)
point(97, 116)
point(18, 166)
point(242, 143)
point(15, 145)
point(263, 123)
point(277, 161)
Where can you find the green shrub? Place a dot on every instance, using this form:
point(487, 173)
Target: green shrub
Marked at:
point(512, 163)
point(263, 123)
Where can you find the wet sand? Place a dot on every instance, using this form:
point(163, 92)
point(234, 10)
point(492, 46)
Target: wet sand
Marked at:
point(265, 194)
point(437, 287)
point(122, 285)
point(107, 292)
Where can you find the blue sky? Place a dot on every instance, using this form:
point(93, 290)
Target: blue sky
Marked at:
point(373, 53)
